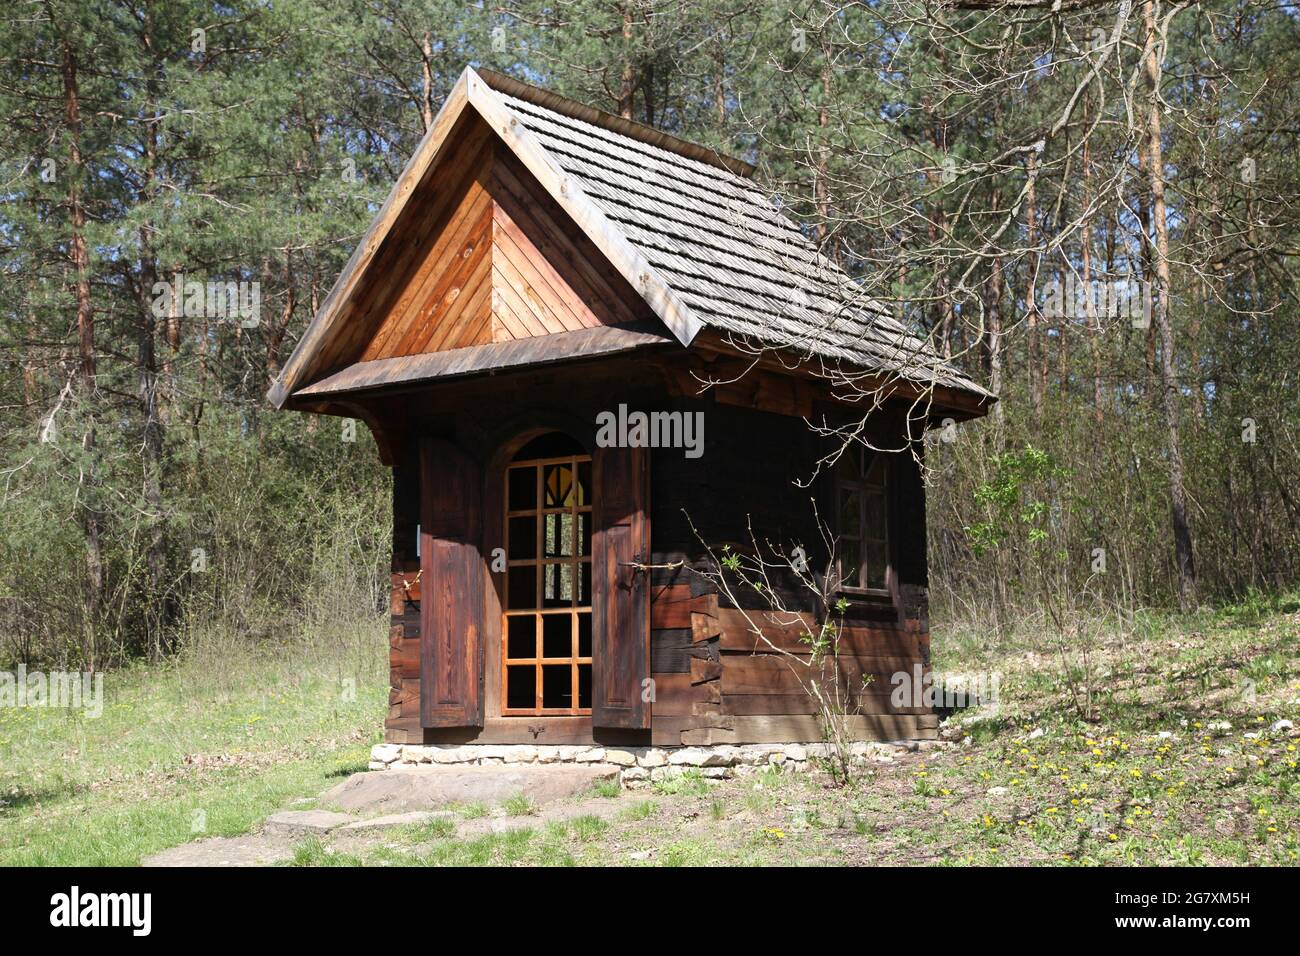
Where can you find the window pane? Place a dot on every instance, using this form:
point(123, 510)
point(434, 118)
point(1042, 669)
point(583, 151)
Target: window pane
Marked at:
point(522, 493)
point(584, 584)
point(850, 560)
point(584, 633)
point(553, 583)
point(584, 484)
point(876, 516)
point(521, 587)
point(521, 637)
point(557, 485)
point(557, 585)
point(876, 564)
point(558, 535)
point(557, 686)
point(521, 687)
point(584, 686)
point(850, 510)
point(557, 635)
point(523, 538)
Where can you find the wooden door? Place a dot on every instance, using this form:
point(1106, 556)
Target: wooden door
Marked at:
point(451, 587)
point(621, 589)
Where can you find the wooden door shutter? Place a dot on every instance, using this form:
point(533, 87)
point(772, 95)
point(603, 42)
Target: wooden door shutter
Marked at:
point(620, 593)
point(451, 587)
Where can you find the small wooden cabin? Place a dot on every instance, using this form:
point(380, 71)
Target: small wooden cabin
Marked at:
point(539, 268)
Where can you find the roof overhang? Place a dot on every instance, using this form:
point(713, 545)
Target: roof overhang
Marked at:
point(602, 341)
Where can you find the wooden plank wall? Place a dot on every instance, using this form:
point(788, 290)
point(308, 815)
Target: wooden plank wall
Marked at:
point(405, 273)
point(445, 293)
point(547, 276)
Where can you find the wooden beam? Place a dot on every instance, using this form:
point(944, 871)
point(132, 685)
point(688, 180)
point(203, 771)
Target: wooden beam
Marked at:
point(491, 357)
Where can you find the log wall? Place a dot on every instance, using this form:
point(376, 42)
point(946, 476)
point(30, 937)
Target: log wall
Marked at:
point(715, 680)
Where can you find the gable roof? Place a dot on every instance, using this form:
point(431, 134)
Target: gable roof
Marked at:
point(686, 226)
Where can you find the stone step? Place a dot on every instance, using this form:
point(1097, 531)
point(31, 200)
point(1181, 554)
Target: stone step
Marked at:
point(300, 823)
point(403, 789)
point(389, 821)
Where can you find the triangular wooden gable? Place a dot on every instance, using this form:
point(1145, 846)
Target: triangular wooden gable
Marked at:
point(482, 240)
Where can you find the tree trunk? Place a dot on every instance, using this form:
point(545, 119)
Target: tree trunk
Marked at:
point(90, 520)
point(719, 84)
point(628, 77)
point(1161, 318)
point(993, 322)
point(648, 105)
point(151, 413)
point(1085, 257)
point(426, 77)
point(995, 336)
point(1036, 361)
point(821, 164)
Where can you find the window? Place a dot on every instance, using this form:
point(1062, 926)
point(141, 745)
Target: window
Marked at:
point(546, 631)
point(861, 490)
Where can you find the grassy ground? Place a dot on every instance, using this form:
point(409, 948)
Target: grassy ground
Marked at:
point(207, 745)
point(1181, 769)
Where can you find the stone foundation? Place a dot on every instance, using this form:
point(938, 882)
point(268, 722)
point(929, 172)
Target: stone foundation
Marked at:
point(640, 766)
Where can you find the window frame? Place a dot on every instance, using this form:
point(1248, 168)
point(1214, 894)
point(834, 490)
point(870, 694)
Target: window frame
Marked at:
point(863, 487)
point(539, 611)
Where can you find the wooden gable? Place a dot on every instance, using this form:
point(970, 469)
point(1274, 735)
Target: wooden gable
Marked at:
point(437, 294)
point(547, 276)
point(526, 227)
point(482, 254)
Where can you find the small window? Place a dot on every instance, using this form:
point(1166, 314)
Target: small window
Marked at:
point(546, 637)
point(862, 520)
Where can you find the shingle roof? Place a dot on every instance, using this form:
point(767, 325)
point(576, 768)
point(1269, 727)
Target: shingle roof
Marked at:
point(687, 227)
point(741, 266)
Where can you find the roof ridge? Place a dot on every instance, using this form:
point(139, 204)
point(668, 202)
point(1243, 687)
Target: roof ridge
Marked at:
point(617, 124)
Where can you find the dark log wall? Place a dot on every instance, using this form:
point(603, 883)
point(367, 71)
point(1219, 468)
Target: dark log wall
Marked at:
point(714, 682)
point(717, 681)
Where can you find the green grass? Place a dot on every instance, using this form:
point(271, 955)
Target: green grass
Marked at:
point(188, 749)
point(641, 810)
point(688, 783)
point(438, 829)
point(1154, 780)
point(518, 806)
point(607, 788)
point(587, 827)
point(1151, 781)
point(312, 852)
